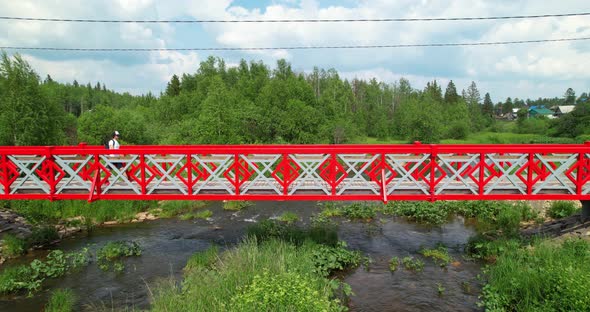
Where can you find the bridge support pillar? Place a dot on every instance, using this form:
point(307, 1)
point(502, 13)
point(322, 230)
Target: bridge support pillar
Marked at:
point(585, 209)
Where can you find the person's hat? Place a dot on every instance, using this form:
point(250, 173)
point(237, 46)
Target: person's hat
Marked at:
point(116, 133)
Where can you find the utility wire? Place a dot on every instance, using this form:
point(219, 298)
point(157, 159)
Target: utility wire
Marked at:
point(297, 47)
point(432, 19)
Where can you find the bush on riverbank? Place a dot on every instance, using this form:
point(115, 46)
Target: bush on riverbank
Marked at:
point(561, 209)
point(273, 275)
point(542, 276)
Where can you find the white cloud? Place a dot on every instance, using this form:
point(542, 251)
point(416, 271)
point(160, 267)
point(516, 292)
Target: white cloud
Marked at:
point(528, 70)
point(152, 76)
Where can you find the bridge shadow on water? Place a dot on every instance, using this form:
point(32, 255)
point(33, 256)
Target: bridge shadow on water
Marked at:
point(168, 243)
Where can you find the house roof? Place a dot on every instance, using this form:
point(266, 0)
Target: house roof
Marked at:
point(564, 109)
point(541, 111)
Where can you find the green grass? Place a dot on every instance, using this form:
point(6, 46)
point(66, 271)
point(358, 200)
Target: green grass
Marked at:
point(288, 217)
point(440, 255)
point(356, 210)
point(46, 212)
point(413, 264)
point(61, 300)
point(29, 277)
point(236, 205)
point(13, 246)
point(542, 276)
point(202, 260)
point(171, 208)
point(501, 133)
point(111, 255)
point(270, 229)
point(271, 276)
point(393, 264)
point(203, 214)
point(561, 209)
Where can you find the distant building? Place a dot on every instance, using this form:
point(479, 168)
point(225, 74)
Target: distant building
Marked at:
point(536, 112)
point(564, 109)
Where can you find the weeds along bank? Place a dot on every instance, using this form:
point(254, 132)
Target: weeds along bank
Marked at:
point(276, 268)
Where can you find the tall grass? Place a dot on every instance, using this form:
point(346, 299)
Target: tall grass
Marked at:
point(171, 208)
point(61, 300)
point(13, 246)
point(561, 209)
point(41, 212)
point(270, 276)
point(540, 277)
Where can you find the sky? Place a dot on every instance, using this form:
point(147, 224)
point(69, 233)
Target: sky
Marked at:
point(517, 71)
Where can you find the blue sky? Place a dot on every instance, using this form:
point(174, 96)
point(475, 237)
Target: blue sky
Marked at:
point(523, 71)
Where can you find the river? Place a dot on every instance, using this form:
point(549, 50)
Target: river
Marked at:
point(168, 243)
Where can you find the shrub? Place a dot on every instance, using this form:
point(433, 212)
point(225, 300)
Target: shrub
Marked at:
point(481, 247)
point(393, 264)
point(328, 259)
point(238, 279)
point(13, 246)
point(413, 264)
point(289, 291)
point(561, 209)
point(61, 300)
point(42, 236)
point(440, 255)
point(110, 254)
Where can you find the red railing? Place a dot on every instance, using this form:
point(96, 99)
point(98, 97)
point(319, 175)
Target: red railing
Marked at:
point(297, 172)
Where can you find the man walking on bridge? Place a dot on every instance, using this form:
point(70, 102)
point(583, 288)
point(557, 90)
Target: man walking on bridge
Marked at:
point(114, 145)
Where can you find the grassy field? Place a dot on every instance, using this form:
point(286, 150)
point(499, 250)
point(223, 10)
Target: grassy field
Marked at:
point(485, 137)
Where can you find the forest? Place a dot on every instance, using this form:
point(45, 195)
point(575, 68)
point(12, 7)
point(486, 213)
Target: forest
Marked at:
point(254, 103)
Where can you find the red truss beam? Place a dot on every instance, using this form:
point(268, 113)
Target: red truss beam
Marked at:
point(297, 172)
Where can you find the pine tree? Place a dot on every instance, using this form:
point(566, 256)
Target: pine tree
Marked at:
point(451, 95)
point(173, 88)
point(488, 106)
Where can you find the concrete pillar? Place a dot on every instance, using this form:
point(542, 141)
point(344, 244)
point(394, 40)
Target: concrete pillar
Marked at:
point(585, 209)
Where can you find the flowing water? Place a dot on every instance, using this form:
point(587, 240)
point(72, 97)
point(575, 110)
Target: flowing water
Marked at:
point(168, 243)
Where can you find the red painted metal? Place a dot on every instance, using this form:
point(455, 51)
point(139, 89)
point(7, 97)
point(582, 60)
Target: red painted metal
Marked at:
point(298, 172)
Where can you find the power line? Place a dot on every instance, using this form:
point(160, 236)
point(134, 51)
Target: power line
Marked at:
point(428, 19)
point(297, 47)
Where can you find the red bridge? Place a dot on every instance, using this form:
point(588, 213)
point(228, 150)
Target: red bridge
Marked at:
point(297, 172)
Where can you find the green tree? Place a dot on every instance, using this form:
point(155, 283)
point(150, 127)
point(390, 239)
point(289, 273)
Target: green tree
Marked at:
point(488, 106)
point(570, 97)
point(218, 121)
point(27, 117)
point(173, 88)
point(451, 95)
point(507, 107)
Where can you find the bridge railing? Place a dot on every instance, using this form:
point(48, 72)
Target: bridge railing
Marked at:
point(297, 172)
